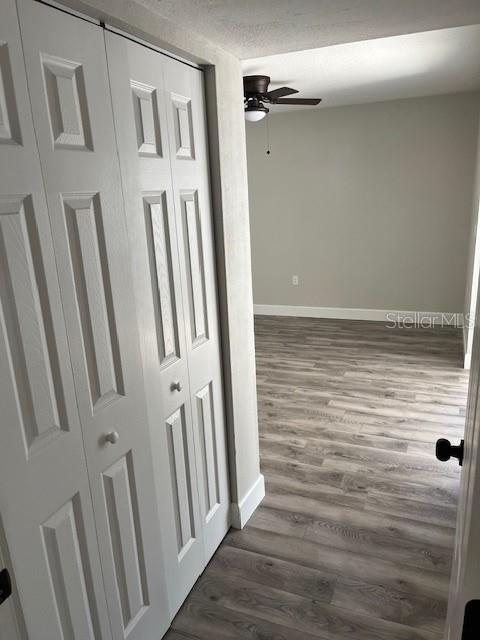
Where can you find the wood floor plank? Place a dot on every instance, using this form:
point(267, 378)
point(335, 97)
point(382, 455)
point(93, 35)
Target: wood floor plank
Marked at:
point(305, 474)
point(211, 621)
point(409, 609)
point(411, 432)
point(303, 614)
point(274, 572)
point(315, 435)
point(442, 515)
point(444, 491)
point(177, 635)
point(399, 606)
point(355, 536)
point(283, 498)
point(328, 560)
point(373, 534)
point(365, 455)
point(278, 487)
point(408, 468)
point(289, 523)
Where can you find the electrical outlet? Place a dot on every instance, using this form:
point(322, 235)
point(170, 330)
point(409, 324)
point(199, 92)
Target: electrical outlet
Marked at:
point(295, 281)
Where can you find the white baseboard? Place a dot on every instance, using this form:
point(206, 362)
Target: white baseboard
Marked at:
point(241, 512)
point(420, 318)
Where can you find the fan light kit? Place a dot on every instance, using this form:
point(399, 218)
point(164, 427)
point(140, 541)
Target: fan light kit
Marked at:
point(255, 111)
point(255, 92)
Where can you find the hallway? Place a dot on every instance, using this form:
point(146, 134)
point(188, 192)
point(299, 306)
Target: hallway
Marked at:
point(355, 536)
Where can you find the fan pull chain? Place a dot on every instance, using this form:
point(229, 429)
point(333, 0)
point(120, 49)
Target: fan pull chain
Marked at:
point(268, 136)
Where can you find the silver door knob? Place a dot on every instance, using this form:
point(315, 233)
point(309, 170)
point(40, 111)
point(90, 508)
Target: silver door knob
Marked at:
point(176, 386)
point(112, 437)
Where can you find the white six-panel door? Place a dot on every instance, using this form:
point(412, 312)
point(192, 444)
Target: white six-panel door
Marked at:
point(160, 123)
point(138, 98)
point(186, 119)
point(69, 88)
point(47, 521)
point(90, 468)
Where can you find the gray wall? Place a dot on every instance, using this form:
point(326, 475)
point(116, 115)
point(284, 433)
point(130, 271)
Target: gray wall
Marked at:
point(229, 178)
point(370, 204)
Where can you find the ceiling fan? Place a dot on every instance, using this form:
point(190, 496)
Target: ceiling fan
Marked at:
point(256, 93)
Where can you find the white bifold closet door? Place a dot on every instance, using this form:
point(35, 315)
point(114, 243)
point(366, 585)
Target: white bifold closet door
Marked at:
point(99, 397)
point(159, 111)
point(47, 529)
point(113, 488)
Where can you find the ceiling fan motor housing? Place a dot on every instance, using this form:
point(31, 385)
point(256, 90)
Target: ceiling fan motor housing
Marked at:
point(255, 85)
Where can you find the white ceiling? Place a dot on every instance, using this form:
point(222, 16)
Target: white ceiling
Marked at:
point(420, 64)
point(253, 28)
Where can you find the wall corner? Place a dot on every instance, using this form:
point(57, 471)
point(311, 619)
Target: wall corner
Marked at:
point(242, 511)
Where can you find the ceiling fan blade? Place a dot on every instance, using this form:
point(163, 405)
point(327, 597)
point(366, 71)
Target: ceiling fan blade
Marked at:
point(299, 101)
point(279, 93)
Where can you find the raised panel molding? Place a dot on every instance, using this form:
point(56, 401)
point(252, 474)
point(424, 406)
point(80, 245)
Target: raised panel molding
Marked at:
point(207, 427)
point(89, 262)
point(126, 541)
point(159, 241)
point(195, 267)
point(147, 124)
point(9, 121)
point(26, 321)
point(68, 564)
point(183, 125)
point(67, 104)
point(179, 458)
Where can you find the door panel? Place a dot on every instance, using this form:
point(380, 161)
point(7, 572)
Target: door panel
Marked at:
point(126, 539)
point(70, 571)
point(147, 123)
point(195, 267)
point(208, 438)
point(67, 103)
point(69, 88)
point(93, 296)
point(160, 236)
point(136, 78)
point(46, 520)
point(184, 147)
point(190, 173)
point(182, 489)
point(28, 327)
point(10, 131)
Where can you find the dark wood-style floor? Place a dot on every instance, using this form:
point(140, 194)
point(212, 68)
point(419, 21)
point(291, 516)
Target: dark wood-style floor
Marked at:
point(354, 538)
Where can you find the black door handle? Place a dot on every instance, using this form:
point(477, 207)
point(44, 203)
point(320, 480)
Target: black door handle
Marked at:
point(444, 450)
point(5, 585)
point(471, 621)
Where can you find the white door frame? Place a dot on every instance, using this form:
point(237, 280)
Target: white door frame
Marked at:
point(465, 576)
point(470, 319)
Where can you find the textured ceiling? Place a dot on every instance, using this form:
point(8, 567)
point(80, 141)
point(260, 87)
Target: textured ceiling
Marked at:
point(419, 64)
point(253, 28)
